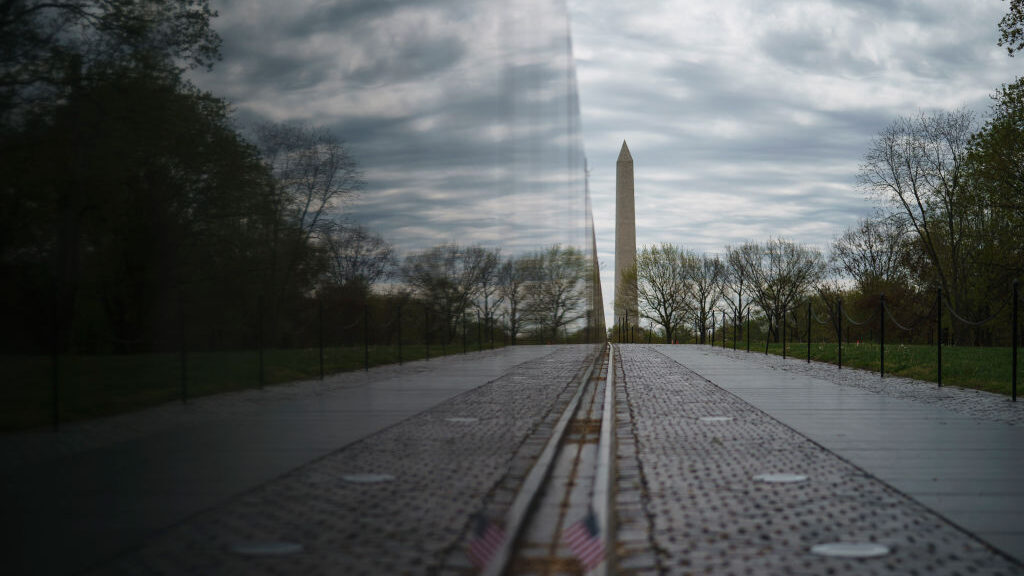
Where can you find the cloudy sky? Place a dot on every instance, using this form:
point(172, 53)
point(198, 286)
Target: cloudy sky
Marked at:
point(746, 118)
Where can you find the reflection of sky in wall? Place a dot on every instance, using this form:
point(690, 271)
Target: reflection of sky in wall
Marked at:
point(463, 114)
point(745, 118)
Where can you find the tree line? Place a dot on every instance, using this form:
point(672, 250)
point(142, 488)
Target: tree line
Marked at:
point(947, 223)
point(543, 295)
point(137, 215)
point(948, 193)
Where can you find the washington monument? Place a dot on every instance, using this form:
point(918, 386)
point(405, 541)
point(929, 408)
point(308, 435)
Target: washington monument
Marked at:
point(625, 240)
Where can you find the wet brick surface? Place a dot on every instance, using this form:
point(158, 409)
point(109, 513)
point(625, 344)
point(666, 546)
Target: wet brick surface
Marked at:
point(705, 513)
point(444, 471)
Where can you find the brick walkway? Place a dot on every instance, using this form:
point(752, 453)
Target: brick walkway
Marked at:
point(706, 513)
point(457, 438)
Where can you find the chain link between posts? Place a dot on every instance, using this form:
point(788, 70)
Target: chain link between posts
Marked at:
point(971, 322)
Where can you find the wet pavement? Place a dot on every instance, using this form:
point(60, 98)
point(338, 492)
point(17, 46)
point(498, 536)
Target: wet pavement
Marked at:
point(383, 472)
point(968, 468)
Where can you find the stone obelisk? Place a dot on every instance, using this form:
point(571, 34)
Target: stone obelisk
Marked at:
point(625, 240)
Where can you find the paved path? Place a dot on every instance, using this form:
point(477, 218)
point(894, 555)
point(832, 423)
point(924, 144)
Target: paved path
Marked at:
point(968, 469)
point(173, 490)
point(93, 490)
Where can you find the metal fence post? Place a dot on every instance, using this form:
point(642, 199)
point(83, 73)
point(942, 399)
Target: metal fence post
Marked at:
point(465, 347)
point(426, 329)
point(479, 335)
point(320, 333)
point(183, 358)
point(259, 337)
point(1016, 299)
point(881, 335)
point(55, 363)
point(713, 328)
point(768, 334)
point(808, 331)
point(938, 336)
point(399, 334)
point(839, 331)
point(748, 329)
point(783, 332)
point(366, 337)
point(735, 328)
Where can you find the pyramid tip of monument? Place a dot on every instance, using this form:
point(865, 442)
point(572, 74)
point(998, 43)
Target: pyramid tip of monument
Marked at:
point(624, 153)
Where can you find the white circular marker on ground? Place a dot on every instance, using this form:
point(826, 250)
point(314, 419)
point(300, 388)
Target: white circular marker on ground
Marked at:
point(461, 419)
point(780, 478)
point(367, 478)
point(850, 550)
point(716, 418)
point(266, 548)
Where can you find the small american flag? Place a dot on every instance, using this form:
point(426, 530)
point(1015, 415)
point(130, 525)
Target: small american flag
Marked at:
point(487, 538)
point(584, 541)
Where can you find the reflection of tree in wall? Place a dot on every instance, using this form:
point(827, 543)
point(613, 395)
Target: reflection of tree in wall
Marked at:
point(126, 195)
point(131, 208)
point(556, 295)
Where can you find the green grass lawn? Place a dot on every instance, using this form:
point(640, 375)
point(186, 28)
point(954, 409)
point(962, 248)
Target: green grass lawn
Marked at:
point(965, 366)
point(92, 386)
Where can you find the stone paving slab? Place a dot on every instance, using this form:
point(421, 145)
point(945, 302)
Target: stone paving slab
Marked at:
point(930, 444)
point(704, 511)
point(96, 488)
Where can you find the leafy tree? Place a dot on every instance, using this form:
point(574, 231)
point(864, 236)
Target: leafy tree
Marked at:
point(47, 48)
point(996, 170)
point(663, 280)
point(1011, 28)
point(138, 189)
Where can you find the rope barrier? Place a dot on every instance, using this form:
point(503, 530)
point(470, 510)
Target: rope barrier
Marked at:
point(855, 323)
point(894, 321)
point(819, 320)
point(973, 323)
point(356, 323)
point(389, 322)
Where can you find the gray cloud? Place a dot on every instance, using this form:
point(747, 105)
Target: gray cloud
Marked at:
point(746, 118)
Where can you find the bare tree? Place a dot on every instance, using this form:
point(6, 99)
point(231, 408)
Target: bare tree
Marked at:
point(779, 274)
point(919, 165)
point(662, 274)
point(357, 258)
point(513, 277)
point(486, 294)
point(556, 296)
point(707, 275)
point(448, 278)
point(314, 170)
point(874, 253)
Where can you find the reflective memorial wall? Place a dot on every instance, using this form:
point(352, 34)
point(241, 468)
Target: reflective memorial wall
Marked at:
point(155, 256)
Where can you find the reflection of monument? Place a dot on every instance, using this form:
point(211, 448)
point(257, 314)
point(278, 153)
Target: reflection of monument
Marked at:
point(625, 240)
